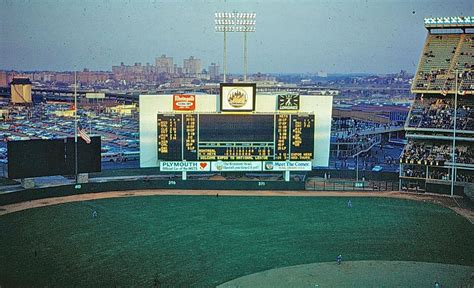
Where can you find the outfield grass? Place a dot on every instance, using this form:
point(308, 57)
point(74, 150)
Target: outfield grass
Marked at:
point(206, 241)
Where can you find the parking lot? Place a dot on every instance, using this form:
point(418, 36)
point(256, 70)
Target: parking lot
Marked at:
point(119, 133)
point(120, 136)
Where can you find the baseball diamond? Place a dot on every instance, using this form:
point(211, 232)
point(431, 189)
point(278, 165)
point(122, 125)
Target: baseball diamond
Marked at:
point(203, 240)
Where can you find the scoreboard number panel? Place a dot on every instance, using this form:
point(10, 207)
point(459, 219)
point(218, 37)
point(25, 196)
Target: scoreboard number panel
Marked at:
point(228, 137)
point(282, 134)
point(302, 138)
point(190, 137)
point(170, 137)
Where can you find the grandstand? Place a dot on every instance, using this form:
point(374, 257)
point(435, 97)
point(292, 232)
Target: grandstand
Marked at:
point(355, 129)
point(443, 88)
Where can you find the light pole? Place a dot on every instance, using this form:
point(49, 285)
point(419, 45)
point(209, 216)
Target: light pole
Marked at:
point(235, 22)
point(75, 125)
point(453, 157)
point(246, 23)
point(357, 167)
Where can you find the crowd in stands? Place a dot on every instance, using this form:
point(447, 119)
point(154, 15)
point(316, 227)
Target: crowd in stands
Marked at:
point(351, 145)
point(439, 174)
point(420, 151)
point(432, 75)
point(438, 113)
point(415, 171)
point(439, 79)
point(437, 72)
point(462, 177)
point(418, 171)
point(366, 160)
point(343, 128)
point(355, 138)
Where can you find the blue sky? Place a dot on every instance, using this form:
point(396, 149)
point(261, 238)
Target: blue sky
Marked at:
point(349, 36)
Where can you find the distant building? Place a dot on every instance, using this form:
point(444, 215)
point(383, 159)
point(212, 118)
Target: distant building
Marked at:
point(306, 82)
point(90, 77)
point(4, 114)
point(65, 77)
point(214, 71)
point(322, 74)
point(3, 79)
point(132, 73)
point(64, 113)
point(21, 91)
point(192, 66)
point(164, 64)
point(178, 70)
point(122, 109)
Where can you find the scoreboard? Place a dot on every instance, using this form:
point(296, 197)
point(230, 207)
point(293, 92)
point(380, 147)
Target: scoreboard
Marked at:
point(228, 137)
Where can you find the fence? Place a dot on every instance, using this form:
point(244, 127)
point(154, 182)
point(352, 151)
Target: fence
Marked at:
point(3, 170)
point(316, 184)
point(351, 174)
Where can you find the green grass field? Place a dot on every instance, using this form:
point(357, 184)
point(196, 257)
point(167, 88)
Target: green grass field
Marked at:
point(206, 241)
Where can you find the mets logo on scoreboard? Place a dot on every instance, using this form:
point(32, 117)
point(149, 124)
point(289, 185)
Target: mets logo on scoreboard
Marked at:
point(289, 102)
point(238, 97)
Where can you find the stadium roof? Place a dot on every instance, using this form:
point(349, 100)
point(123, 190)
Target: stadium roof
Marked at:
point(449, 22)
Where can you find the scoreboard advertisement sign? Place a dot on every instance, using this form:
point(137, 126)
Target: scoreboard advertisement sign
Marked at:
point(236, 166)
point(184, 102)
point(238, 97)
point(231, 137)
point(289, 102)
point(180, 166)
point(287, 166)
point(226, 166)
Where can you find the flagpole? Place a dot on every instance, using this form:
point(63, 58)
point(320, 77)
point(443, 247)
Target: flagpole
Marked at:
point(75, 124)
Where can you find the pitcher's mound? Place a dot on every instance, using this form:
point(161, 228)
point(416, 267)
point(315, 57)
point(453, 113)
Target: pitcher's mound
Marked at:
point(361, 274)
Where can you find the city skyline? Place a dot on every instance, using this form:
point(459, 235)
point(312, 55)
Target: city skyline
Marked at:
point(292, 37)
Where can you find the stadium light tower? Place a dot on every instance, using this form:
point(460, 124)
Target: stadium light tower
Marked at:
point(453, 157)
point(235, 22)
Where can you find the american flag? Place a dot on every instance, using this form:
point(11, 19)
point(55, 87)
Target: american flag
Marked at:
point(83, 134)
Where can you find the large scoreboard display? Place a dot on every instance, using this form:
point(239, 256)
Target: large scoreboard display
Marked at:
point(228, 137)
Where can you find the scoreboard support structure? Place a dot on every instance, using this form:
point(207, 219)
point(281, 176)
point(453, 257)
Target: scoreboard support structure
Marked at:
point(184, 174)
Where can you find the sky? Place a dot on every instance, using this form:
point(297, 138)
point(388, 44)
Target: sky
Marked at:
point(342, 36)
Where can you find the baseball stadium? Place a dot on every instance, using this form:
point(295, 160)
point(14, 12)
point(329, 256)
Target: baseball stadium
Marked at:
point(226, 194)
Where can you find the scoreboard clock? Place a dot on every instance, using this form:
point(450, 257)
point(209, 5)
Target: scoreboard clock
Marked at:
point(289, 102)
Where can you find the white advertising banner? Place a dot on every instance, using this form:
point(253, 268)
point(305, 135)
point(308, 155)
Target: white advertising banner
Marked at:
point(236, 166)
point(185, 166)
point(287, 166)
